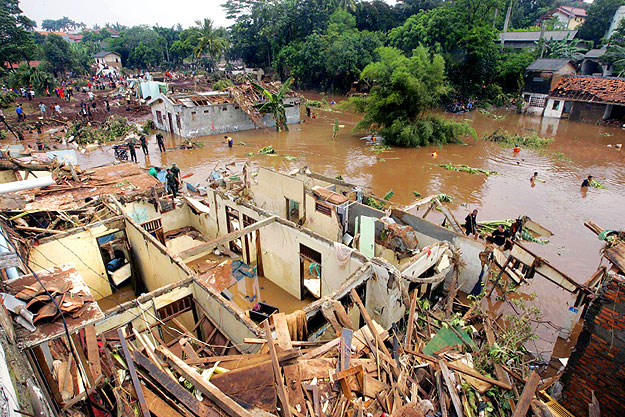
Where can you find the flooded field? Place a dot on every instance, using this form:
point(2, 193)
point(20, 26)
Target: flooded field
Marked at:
point(579, 149)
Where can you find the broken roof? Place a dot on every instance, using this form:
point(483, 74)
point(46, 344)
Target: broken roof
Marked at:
point(76, 291)
point(587, 88)
point(120, 179)
point(548, 64)
point(534, 36)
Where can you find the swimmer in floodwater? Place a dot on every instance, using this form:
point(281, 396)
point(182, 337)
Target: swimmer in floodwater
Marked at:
point(517, 148)
point(586, 182)
point(533, 179)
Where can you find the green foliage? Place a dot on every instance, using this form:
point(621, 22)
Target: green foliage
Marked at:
point(114, 128)
point(405, 88)
point(600, 14)
point(148, 126)
point(372, 202)
point(532, 141)
point(274, 103)
point(61, 25)
point(222, 85)
point(16, 42)
point(389, 194)
point(511, 68)
point(615, 56)
point(465, 168)
point(3, 134)
point(7, 98)
point(63, 56)
point(211, 41)
point(267, 150)
point(25, 76)
point(566, 48)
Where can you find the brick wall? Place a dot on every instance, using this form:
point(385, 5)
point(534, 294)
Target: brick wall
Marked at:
point(598, 360)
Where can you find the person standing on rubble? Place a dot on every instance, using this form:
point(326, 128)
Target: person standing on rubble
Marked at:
point(172, 182)
point(500, 235)
point(176, 171)
point(144, 145)
point(160, 142)
point(131, 149)
point(471, 223)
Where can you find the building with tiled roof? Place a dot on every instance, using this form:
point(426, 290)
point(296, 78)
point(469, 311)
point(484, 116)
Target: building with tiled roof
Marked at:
point(588, 98)
point(69, 37)
point(568, 17)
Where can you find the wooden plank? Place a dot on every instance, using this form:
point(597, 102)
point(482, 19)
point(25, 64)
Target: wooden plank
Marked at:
point(463, 370)
point(83, 359)
point(174, 388)
point(133, 374)
point(188, 349)
point(413, 306)
point(345, 349)
point(209, 246)
point(253, 385)
point(451, 388)
point(295, 343)
point(157, 406)
point(365, 315)
point(529, 391)
point(213, 393)
point(321, 350)
point(331, 318)
point(294, 387)
point(284, 400)
point(93, 352)
point(282, 331)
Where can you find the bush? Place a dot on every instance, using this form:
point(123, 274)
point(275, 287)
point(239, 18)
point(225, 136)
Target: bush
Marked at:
point(3, 134)
point(114, 128)
point(7, 99)
point(25, 76)
point(148, 126)
point(428, 130)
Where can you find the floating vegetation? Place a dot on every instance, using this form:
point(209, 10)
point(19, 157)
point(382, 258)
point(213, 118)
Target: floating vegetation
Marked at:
point(597, 184)
point(372, 202)
point(339, 177)
point(532, 141)
point(416, 193)
point(379, 148)
point(444, 198)
point(267, 150)
point(389, 194)
point(560, 156)
point(489, 227)
point(290, 158)
point(607, 134)
point(465, 168)
point(491, 115)
point(242, 143)
point(250, 154)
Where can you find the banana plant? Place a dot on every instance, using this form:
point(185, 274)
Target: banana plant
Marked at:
point(274, 103)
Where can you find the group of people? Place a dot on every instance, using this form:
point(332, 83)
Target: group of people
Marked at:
point(498, 236)
point(160, 140)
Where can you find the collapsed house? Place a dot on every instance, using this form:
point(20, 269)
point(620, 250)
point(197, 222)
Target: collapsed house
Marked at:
point(242, 288)
point(207, 113)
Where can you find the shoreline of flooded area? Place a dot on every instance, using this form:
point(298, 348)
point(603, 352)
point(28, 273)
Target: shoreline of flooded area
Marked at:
point(559, 204)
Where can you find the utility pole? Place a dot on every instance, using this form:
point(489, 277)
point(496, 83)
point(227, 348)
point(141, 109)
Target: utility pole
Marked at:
point(541, 39)
point(495, 18)
point(505, 26)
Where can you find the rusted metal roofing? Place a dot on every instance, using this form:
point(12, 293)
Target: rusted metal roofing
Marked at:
point(616, 255)
point(603, 90)
point(63, 275)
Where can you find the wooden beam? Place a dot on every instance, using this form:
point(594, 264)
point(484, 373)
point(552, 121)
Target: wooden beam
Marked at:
point(212, 392)
point(441, 394)
point(93, 352)
point(451, 388)
point(159, 407)
point(282, 331)
point(284, 399)
point(365, 315)
point(133, 374)
point(413, 306)
point(529, 391)
point(174, 388)
point(209, 246)
point(474, 374)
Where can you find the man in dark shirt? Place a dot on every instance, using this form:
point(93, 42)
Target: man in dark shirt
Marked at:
point(172, 182)
point(586, 182)
point(176, 171)
point(131, 149)
point(471, 223)
point(500, 235)
point(159, 140)
point(144, 145)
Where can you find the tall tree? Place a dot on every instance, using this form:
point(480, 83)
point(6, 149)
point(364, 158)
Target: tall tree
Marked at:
point(600, 14)
point(211, 41)
point(57, 52)
point(16, 44)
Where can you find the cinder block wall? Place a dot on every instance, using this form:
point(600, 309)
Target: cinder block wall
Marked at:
point(598, 361)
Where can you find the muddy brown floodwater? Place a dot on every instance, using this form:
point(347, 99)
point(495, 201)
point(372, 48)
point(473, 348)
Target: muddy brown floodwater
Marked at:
point(559, 204)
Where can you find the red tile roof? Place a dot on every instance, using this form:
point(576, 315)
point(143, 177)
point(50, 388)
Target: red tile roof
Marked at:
point(573, 11)
point(606, 90)
point(33, 64)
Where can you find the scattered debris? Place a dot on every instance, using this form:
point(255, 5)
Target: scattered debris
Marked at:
point(465, 168)
point(532, 141)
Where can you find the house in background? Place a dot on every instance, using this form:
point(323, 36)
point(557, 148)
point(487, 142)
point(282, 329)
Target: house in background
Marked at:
point(593, 65)
point(68, 37)
point(107, 58)
point(541, 76)
point(568, 17)
point(529, 39)
point(588, 98)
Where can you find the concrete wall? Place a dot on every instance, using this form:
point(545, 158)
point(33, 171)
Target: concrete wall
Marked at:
point(550, 111)
point(320, 223)
point(270, 190)
point(598, 360)
point(82, 250)
point(281, 261)
point(214, 119)
point(156, 267)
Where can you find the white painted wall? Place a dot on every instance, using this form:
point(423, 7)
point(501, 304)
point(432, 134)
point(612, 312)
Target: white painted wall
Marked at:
point(550, 111)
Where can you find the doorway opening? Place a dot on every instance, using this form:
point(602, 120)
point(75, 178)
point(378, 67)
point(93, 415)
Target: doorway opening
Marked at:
point(310, 271)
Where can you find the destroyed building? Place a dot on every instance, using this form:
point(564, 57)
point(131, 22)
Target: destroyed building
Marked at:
point(242, 300)
point(206, 113)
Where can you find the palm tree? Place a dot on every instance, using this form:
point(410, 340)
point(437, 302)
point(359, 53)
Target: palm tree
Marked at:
point(275, 103)
point(210, 40)
point(565, 49)
point(616, 57)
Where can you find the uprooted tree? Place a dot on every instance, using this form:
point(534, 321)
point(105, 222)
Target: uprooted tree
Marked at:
point(404, 89)
point(275, 103)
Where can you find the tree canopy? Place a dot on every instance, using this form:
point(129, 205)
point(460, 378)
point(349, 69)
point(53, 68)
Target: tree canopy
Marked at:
point(600, 14)
point(16, 44)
